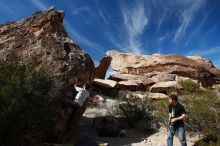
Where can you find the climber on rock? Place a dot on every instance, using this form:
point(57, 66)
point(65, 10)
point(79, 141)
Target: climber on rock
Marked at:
point(80, 97)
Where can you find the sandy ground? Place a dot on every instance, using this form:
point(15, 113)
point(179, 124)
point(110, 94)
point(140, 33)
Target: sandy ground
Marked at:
point(156, 139)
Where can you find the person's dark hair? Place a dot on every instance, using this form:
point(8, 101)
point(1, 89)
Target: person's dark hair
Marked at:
point(173, 97)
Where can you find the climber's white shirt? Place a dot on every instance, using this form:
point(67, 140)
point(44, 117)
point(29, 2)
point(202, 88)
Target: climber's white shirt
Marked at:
point(81, 96)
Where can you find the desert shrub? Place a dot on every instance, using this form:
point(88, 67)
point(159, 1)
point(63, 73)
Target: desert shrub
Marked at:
point(203, 109)
point(133, 109)
point(189, 86)
point(218, 76)
point(160, 111)
point(121, 94)
point(204, 113)
point(25, 116)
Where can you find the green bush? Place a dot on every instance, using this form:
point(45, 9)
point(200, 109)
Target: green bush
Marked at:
point(133, 109)
point(25, 116)
point(189, 86)
point(160, 111)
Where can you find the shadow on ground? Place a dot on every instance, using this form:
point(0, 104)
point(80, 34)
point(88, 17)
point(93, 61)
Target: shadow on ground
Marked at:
point(125, 137)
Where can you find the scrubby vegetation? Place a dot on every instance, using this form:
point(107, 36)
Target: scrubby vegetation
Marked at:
point(203, 108)
point(133, 109)
point(218, 76)
point(25, 116)
point(189, 86)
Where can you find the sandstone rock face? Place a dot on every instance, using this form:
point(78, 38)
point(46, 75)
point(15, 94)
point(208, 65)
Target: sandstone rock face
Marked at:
point(162, 77)
point(131, 82)
point(131, 85)
point(126, 63)
point(166, 87)
point(42, 37)
point(100, 71)
point(125, 77)
point(106, 87)
point(201, 60)
point(105, 83)
point(158, 96)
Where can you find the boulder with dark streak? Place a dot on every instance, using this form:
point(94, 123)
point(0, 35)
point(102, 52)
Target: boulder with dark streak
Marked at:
point(43, 38)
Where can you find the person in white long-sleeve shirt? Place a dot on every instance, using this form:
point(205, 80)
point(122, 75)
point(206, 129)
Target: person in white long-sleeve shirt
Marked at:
point(81, 96)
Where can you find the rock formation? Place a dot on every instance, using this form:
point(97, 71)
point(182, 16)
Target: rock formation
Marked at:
point(42, 38)
point(166, 87)
point(146, 65)
point(100, 71)
point(105, 83)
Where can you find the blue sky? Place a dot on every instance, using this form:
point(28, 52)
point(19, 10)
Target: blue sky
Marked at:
point(185, 27)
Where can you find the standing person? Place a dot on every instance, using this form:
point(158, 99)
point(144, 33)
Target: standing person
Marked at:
point(177, 114)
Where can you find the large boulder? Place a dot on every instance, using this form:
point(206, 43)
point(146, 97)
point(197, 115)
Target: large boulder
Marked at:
point(100, 71)
point(127, 63)
point(131, 85)
point(105, 83)
point(131, 82)
point(162, 77)
point(42, 39)
point(106, 87)
point(166, 87)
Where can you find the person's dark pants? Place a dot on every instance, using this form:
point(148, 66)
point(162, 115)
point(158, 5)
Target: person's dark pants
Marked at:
point(71, 103)
point(181, 135)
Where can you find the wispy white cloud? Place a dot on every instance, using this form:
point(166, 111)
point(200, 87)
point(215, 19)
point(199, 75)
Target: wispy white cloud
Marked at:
point(205, 52)
point(189, 10)
point(118, 44)
point(194, 33)
point(81, 39)
point(101, 14)
point(6, 8)
point(161, 20)
point(165, 36)
point(80, 9)
point(39, 4)
point(127, 36)
point(135, 21)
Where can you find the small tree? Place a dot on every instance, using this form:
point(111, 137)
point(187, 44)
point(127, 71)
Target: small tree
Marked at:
point(133, 109)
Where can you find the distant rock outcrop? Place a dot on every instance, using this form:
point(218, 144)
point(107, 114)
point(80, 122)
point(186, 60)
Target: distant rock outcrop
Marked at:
point(195, 68)
point(43, 38)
